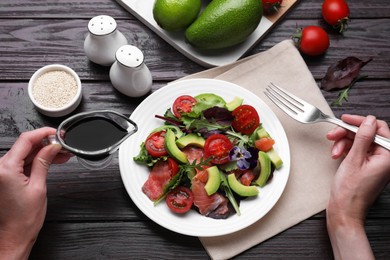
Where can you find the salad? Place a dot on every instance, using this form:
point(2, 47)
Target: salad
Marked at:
point(207, 155)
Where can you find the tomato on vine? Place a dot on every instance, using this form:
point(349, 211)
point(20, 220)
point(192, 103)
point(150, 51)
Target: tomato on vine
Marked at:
point(311, 40)
point(336, 13)
point(271, 6)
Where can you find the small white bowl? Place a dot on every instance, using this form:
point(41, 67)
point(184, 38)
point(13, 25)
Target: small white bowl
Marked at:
point(69, 106)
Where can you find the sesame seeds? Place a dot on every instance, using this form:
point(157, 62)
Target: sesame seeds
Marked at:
point(54, 89)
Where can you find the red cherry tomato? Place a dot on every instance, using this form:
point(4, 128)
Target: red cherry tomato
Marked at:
point(336, 13)
point(311, 40)
point(264, 144)
point(271, 6)
point(180, 199)
point(218, 147)
point(154, 144)
point(183, 104)
point(173, 166)
point(246, 119)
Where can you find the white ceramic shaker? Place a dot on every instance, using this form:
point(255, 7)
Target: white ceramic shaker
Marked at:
point(103, 40)
point(129, 74)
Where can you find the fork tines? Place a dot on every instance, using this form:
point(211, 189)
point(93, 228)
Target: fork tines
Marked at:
point(286, 101)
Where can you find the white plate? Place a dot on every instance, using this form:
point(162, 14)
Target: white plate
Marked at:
point(142, 10)
point(192, 223)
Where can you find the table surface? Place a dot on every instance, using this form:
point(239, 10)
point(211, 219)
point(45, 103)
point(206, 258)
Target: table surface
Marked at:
point(90, 215)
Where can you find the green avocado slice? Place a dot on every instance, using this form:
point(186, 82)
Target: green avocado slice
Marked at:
point(190, 139)
point(240, 189)
point(236, 102)
point(172, 149)
point(214, 180)
point(265, 169)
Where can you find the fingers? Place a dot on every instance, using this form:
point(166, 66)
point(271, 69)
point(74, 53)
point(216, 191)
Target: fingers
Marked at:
point(27, 143)
point(364, 138)
point(343, 138)
point(62, 158)
point(41, 163)
point(341, 147)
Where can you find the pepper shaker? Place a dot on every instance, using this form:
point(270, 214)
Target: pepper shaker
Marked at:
point(129, 74)
point(103, 40)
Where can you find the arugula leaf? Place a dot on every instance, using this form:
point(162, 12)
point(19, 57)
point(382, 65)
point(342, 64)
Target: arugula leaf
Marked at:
point(229, 194)
point(241, 139)
point(343, 94)
point(145, 158)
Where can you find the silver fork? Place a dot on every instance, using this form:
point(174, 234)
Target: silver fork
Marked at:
point(304, 112)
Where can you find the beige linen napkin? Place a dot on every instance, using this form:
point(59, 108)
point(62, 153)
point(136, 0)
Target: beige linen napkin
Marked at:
point(312, 168)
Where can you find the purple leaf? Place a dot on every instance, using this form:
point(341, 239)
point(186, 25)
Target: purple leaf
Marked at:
point(219, 114)
point(342, 73)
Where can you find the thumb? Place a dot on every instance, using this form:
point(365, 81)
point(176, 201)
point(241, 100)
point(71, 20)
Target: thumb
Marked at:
point(41, 163)
point(364, 138)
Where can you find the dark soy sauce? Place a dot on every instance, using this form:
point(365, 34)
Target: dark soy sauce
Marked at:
point(94, 133)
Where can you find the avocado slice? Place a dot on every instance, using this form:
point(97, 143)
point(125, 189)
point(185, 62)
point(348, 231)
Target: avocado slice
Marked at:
point(214, 180)
point(210, 100)
point(236, 102)
point(275, 158)
point(273, 155)
point(265, 169)
point(190, 139)
point(240, 189)
point(172, 149)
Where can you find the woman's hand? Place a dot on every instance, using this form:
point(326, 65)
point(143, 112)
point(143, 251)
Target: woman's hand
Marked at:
point(361, 177)
point(23, 172)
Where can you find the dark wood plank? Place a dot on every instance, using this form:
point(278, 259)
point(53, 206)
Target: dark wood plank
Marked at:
point(35, 43)
point(53, 9)
point(129, 240)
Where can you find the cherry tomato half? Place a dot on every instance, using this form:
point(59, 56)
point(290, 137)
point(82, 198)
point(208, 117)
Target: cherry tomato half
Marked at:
point(218, 147)
point(264, 144)
point(180, 199)
point(336, 13)
point(246, 119)
point(311, 40)
point(173, 166)
point(183, 104)
point(154, 144)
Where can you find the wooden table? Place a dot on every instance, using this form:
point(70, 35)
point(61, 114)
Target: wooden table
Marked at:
point(90, 215)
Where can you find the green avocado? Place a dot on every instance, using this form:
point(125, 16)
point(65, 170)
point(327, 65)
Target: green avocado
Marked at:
point(190, 139)
point(224, 23)
point(240, 189)
point(210, 99)
point(213, 181)
point(172, 149)
point(265, 169)
point(236, 102)
point(273, 155)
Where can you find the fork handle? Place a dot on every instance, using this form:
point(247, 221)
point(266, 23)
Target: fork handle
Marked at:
point(382, 141)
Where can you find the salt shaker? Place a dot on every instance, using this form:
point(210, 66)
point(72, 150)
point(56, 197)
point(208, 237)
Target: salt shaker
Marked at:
point(129, 74)
point(103, 40)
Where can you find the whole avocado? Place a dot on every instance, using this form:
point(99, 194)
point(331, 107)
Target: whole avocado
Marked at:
point(224, 23)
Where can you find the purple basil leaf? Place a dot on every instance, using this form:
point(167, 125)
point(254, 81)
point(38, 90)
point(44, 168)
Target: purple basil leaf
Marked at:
point(205, 133)
point(342, 73)
point(219, 114)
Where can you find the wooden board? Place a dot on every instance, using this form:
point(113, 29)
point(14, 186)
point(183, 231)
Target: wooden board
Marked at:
point(143, 11)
